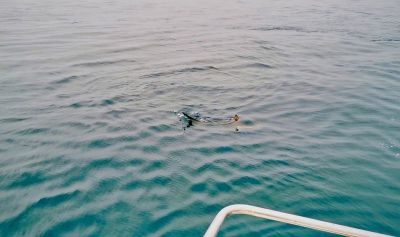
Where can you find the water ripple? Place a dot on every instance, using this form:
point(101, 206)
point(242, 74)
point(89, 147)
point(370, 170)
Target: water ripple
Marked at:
point(91, 146)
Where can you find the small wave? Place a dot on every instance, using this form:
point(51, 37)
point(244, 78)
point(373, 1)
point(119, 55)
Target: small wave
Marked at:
point(32, 131)
point(199, 187)
point(179, 71)
point(57, 199)
point(160, 128)
point(158, 181)
point(81, 225)
point(27, 179)
point(14, 224)
point(78, 125)
point(212, 188)
point(66, 80)
point(165, 220)
point(386, 40)
point(151, 149)
point(104, 102)
point(153, 166)
point(103, 143)
point(12, 120)
point(246, 181)
point(284, 28)
point(259, 65)
point(103, 63)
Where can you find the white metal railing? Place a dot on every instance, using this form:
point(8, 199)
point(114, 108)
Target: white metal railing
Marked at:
point(286, 218)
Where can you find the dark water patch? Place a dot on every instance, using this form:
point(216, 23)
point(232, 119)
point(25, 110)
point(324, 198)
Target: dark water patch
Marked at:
point(103, 63)
point(223, 187)
point(284, 28)
point(74, 176)
point(105, 163)
point(267, 47)
point(91, 104)
point(274, 163)
point(9, 140)
point(228, 163)
point(211, 168)
point(224, 149)
point(179, 71)
point(248, 122)
point(125, 49)
point(153, 166)
point(202, 150)
point(258, 65)
point(76, 105)
point(250, 167)
point(245, 181)
point(136, 162)
point(386, 40)
point(66, 80)
point(100, 143)
point(27, 179)
point(161, 180)
point(106, 102)
point(199, 187)
point(77, 125)
point(213, 150)
point(117, 114)
point(13, 120)
point(151, 149)
point(63, 96)
point(211, 207)
point(33, 131)
point(100, 124)
point(56, 200)
point(136, 184)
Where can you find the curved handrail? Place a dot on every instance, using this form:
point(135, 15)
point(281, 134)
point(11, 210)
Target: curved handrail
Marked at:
point(286, 218)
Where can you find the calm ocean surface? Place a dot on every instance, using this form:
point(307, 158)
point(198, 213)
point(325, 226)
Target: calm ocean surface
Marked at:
point(90, 144)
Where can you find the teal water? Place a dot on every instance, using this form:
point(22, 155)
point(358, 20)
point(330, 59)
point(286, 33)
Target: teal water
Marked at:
point(90, 144)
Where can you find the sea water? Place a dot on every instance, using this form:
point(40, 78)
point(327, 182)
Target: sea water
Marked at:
point(90, 143)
